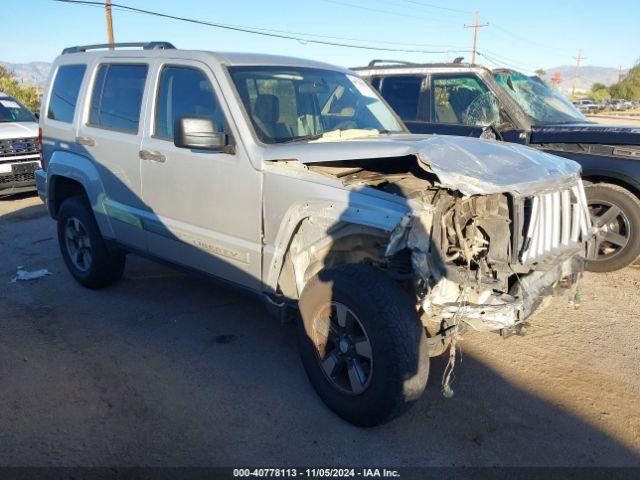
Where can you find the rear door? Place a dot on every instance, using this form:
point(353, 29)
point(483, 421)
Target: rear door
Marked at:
point(406, 96)
point(60, 109)
point(205, 206)
point(111, 135)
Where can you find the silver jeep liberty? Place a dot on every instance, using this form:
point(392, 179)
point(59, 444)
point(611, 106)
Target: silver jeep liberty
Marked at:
point(294, 180)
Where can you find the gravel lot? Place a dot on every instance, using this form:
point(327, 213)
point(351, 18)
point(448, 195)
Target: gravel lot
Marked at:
point(610, 119)
point(163, 369)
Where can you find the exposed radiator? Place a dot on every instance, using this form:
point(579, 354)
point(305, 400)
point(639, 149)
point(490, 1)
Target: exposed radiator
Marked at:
point(558, 220)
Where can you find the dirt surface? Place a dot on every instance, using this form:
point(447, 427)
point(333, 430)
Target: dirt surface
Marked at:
point(164, 369)
point(614, 119)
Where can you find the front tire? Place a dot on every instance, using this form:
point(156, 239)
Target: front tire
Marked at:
point(83, 249)
point(362, 344)
point(616, 212)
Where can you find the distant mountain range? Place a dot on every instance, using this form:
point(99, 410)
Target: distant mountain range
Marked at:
point(35, 73)
point(587, 76)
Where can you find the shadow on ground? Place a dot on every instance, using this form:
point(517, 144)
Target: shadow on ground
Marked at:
point(165, 369)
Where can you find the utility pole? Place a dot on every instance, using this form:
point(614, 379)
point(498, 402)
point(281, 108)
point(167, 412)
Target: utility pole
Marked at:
point(107, 8)
point(576, 74)
point(475, 27)
point(620, 74)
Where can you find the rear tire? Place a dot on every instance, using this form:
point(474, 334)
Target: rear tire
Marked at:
point(83, 249)
point(373, 368)
point(617, 212)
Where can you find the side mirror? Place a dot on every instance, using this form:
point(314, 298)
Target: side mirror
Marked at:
point(200, 134)
point(37, 115)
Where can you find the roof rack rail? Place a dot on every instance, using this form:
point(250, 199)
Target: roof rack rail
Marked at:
point(144, 45)
point(373, 63)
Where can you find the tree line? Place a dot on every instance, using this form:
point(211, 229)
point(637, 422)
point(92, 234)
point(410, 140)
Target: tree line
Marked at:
point(628, 88)
point(25, 94)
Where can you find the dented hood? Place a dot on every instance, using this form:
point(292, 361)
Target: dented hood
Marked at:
point(470, 165)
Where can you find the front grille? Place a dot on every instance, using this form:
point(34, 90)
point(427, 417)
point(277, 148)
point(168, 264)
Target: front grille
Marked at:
point(13, 147)
point(19, 178)
point(556, 221)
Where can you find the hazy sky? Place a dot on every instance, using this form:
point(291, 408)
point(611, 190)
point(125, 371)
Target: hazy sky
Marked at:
point(526, 35)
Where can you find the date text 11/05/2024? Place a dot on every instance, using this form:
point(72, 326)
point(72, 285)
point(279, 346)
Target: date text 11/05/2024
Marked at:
point(316, 472)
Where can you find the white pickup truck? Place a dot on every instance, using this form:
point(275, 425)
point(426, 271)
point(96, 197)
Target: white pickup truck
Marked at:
point(19, 147)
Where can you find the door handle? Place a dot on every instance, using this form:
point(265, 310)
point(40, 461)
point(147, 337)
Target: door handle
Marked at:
point(86, 141)
point(152, 155)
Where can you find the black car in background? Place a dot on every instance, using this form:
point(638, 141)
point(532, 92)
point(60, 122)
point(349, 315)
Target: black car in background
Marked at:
point(502, 104)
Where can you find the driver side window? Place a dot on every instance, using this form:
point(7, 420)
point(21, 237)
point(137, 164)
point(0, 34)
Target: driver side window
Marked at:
point(463, 100)
point(184, 92)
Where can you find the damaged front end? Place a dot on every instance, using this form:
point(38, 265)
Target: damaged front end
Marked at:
point(492, 230)
point(490, 260)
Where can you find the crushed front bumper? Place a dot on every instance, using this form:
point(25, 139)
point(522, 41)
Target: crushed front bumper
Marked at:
point(504, 311)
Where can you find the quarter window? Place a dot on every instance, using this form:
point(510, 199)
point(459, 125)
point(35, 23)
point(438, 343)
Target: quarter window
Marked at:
point(64, 94)
point(403, 95)
point(463, 100)
point(184, 92)
point(117, 97)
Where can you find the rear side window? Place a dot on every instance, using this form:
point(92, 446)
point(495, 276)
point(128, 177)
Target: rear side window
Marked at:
point(403, 95)
point(64, 94)
point(184, 92)
point(117, 97)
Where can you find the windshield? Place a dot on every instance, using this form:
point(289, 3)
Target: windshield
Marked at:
point(289, 103)
point(538, 100)
point(12, 111)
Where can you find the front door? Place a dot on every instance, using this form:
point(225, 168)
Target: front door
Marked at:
point(461, 104)
point(204, 206)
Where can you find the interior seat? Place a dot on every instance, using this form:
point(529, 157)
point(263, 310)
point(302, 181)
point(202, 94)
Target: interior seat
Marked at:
point(266, 112)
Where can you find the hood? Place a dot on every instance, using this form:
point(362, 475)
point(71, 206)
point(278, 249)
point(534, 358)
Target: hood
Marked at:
point(469, 165)
point(18, 130)
point(586, 133)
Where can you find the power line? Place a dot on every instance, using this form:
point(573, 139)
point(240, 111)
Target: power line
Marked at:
point(386, 12)
point(529, 41)
point(355, 39)
point(430, 5)
point(256, 31)
point(514, 62)
point(501, 63)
